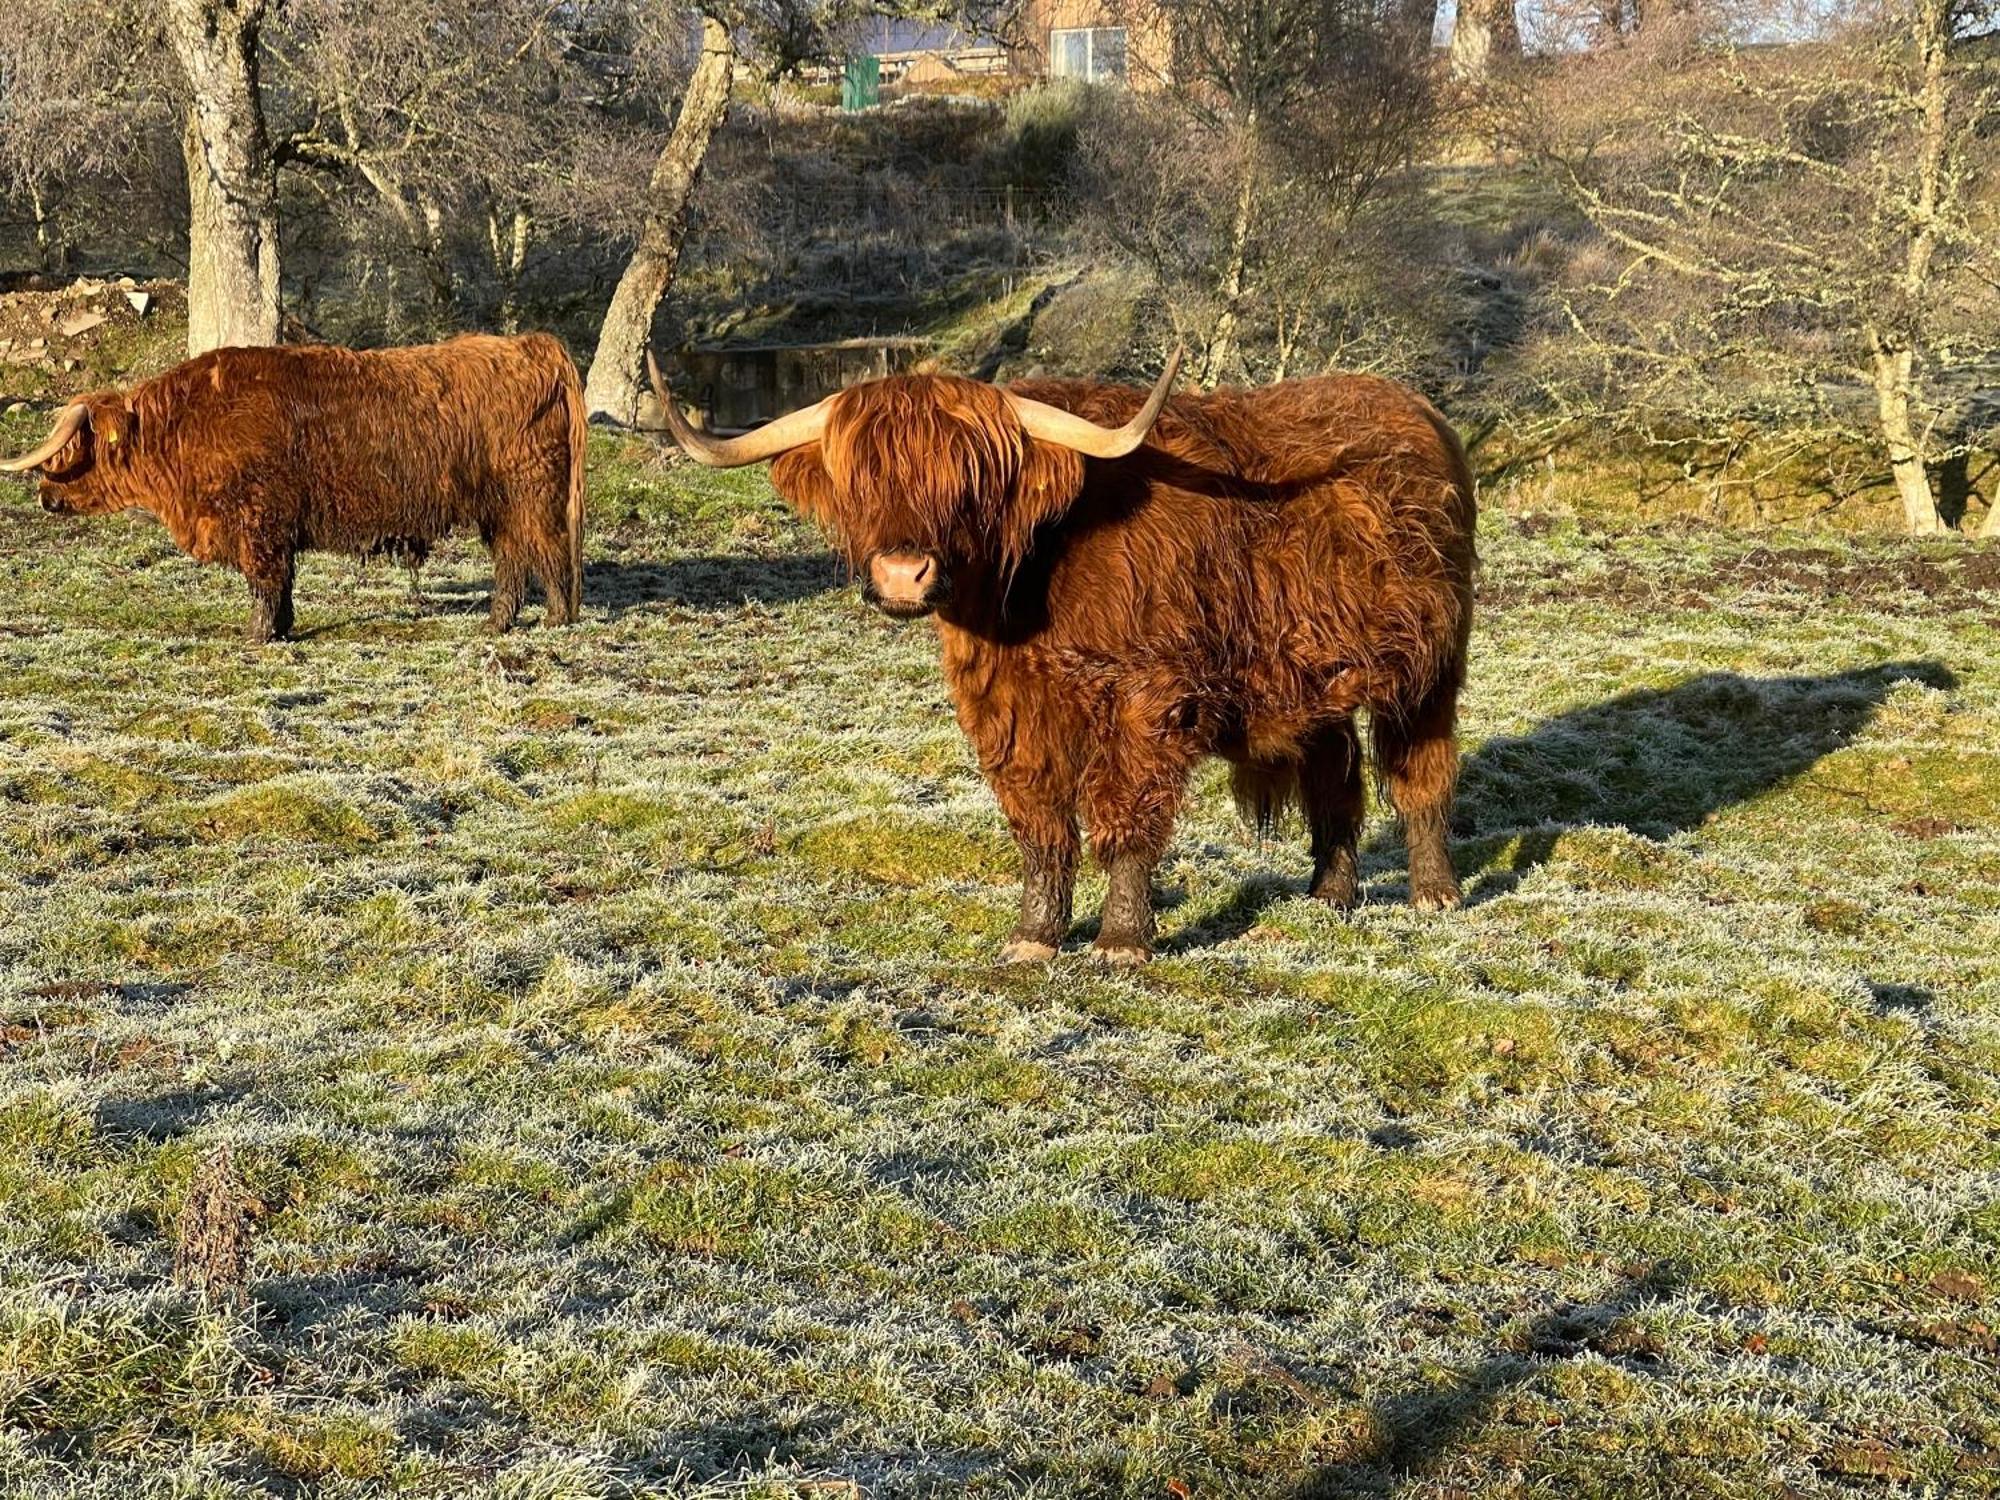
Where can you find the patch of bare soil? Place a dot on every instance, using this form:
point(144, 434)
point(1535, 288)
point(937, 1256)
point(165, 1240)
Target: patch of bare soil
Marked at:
point(1945, 577)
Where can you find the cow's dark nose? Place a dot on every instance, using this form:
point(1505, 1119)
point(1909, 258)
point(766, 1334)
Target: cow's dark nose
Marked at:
point(906, 584)
point(51, 504)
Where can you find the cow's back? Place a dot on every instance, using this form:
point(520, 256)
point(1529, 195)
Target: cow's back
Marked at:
point(377, 446)
point(1269, 542)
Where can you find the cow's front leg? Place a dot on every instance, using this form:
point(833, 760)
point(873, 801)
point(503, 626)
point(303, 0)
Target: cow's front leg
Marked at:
point(1048, 888)
point(1028, 754)
point(1125, 932)
point(1040, 805)
point(270, 600)
point(1132, 794)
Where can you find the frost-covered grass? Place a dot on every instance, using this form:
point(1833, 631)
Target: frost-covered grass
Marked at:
point(602, 1024)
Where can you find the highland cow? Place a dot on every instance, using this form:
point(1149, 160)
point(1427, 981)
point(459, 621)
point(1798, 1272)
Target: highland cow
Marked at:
point(251, 456)
point(1125, 584)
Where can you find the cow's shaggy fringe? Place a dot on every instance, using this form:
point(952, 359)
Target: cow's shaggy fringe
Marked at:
point(249, 456)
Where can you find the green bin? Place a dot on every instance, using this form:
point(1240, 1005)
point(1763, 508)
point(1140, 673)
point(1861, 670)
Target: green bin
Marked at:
point(861, 84)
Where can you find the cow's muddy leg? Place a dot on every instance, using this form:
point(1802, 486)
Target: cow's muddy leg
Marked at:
point(1419, 760)
point(270, 583)
point(1335, 804)
point(1039, 800)
point(1048, 887)
point(1131, 795)
point(1125, 932)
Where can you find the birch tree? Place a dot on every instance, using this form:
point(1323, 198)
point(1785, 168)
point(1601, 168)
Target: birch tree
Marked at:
point(233, 253)
point(612, 389)
point(1485, 36)
point(1800, 234)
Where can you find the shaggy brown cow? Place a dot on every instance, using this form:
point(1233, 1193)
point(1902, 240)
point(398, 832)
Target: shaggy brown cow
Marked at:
point(250, 456)
point(1230, 574)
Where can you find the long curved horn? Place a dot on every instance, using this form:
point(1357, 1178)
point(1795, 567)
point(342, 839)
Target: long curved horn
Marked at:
point(1051, 424)
point(67, 426)
point(788, 432)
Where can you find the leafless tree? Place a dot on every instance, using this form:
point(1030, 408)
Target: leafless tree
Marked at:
point(1276, 125)
point(83, 91)
point(1799, 233)
point(613, 386)
point(231, 175)
point(772, 37)
point(108, 69)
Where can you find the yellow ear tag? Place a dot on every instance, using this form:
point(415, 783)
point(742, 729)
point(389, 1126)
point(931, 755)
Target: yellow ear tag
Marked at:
point(110, 437)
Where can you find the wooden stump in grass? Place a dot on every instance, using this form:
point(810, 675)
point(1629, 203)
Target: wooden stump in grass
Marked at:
point(212, 1237)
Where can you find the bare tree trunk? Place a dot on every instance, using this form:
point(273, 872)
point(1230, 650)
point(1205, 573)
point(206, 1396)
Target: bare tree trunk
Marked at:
point(1222, 337)
point(510, 254)
point(232, 179)
point(1893, 367)
point(1486, 36)
point(1895, 359)
point(613, 387)
point(1420, 21)
point(46, 247)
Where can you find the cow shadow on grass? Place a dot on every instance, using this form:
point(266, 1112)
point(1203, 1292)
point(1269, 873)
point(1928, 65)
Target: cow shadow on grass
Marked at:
point(709, 583)
point(615, 588)
point(1656, 761)
point(1420, 1429)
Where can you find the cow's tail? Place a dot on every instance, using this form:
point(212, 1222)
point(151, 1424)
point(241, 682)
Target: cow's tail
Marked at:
point(579, 455)
point(1265, 790)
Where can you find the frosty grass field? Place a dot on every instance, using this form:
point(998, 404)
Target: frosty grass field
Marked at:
point(597, 1032)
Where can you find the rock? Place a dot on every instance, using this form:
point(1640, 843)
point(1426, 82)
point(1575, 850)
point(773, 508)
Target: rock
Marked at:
point(142, 302)
point(79, 322)
point(127, 282)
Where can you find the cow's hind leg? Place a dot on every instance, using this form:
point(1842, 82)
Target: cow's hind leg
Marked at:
point(1418, 756)
point(510, 580)
point(549, 557)
point(1330, 790)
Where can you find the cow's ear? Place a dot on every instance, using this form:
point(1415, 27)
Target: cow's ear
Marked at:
point(1048, 484)
point(113, 426)
point(801, 477)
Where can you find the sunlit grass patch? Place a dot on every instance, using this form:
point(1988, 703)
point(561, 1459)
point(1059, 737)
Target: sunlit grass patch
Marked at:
point(897, 849)
point(306, 809)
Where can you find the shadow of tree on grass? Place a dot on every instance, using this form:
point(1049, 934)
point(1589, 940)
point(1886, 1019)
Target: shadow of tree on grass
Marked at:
point(1421, 1429)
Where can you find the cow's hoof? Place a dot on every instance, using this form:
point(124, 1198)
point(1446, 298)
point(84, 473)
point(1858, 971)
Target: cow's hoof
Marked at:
point(1027, 951)
point(1122, 955)
point(1339, 897)
point(1443, 898)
